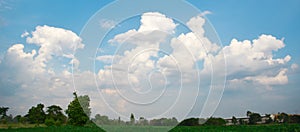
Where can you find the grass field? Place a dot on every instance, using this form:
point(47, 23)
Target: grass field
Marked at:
point(247, 128)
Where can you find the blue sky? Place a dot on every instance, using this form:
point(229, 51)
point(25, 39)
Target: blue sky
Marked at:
point(231, 19)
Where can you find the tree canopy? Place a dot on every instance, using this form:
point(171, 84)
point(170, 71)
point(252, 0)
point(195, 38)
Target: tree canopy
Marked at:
point(76, 112)
point(36, 114)
point(55, 115)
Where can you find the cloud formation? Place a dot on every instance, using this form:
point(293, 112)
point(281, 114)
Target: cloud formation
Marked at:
point(152, 69)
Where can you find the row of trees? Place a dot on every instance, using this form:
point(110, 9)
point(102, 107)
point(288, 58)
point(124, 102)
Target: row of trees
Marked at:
point(104, 120)
point(256, 118)
point(78, 113)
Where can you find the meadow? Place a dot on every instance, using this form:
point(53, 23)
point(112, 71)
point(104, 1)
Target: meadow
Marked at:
point(244, 128)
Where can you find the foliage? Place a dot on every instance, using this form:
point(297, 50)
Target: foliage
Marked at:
point(234, 120)
point(254, 118)
point(189, 122)
point(50, 122)
point(294, 119)
point(101, 120)
point(3, 116)
point(36, 115)
point(85, 104)
point(215, 121)
point(132, 119)
point(283, 117)
point(164, 122)
point(3, 111)
point(54, 113)
point(76, 113)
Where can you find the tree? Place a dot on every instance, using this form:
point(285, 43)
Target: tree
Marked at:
point(76, 113)
point(215, 121)
point(241, 122)
point(234, 120)
point(269, 120)
point(17, 118)
point(190, 122)
point(3, 116)
point(249, 113)
point(85, 104)
point(254, 118)
point(283, 117)
point(3, 111)
point(101, 120)
point(132, 119)
point(36, 114)
point(55, 115)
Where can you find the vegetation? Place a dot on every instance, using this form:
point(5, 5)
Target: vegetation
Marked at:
point(254, 118)
point(243, 128)
point(215, 122)
point(36, 115)
point(76, 113)
point(79, 111)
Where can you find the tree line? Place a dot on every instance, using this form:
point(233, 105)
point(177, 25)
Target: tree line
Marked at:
point(54, 114)
point(252, 118)
point(77, 113)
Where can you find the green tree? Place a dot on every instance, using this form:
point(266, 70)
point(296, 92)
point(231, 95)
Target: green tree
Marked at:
point(132, 119)
point(283, 117)
point(76, 113)
point(249, 113)
point(101, 120)
point(36, 114)
point(85, 104)
point(269, 120)
point(3, 116)
point(234, 120)
point(3, 111)
point(254, 118)
point(54, 114)
point(189, 122)
point(241, 122)
point(215, 121)
point(17, 119)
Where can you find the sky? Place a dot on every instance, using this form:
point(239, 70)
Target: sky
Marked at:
point(149, 58)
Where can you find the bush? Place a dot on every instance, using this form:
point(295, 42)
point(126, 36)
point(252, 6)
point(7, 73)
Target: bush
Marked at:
point(50, 122)
point(190, 122)
point(215, 121)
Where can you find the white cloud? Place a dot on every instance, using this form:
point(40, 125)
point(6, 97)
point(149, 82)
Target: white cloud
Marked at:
point(140, 67)
point(204, 13)
point(152, 21)
point(33, 77)
point(246, 56)
point(25, 34)
point(253, 61)
point(53, 41)
point(279, 79)
point(107, 24)
point(294, 66)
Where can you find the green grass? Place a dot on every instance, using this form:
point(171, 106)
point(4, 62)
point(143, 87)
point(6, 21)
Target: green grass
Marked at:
point(243, 128)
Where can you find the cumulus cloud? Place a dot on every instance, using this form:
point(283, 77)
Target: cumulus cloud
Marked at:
point(152, 21)
point(53, 41)
point(139, 70)
point(34, 75)
point(254, 61)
